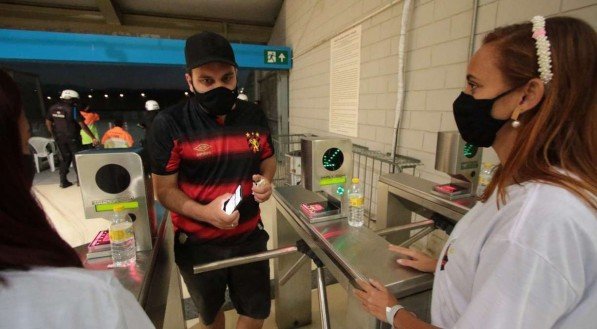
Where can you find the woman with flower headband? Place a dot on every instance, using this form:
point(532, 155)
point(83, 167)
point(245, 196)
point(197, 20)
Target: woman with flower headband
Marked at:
point(526, 256)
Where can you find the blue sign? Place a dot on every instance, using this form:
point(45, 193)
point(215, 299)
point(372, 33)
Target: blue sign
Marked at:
point(95, 48)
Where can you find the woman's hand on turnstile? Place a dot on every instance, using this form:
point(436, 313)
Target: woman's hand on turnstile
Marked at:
point(416, 259)
point(375, 297)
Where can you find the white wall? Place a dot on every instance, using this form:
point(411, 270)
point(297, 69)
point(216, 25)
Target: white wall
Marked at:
point(435, 67)
point(437, 46)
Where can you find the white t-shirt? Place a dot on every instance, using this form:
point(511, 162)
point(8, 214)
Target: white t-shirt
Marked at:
point(47, 297)
point(530, 264)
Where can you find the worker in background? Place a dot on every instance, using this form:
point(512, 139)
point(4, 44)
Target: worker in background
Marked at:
point(90, 119)
point(64, 122)
point(152, 108)
point(117, 136)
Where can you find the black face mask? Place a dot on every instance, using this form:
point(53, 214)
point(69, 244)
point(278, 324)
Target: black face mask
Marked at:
point(474, 120)
point(218, 101)
point(29, 171)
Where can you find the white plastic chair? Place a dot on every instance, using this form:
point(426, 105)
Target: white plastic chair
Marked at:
point(115, 143)
point(40, 146)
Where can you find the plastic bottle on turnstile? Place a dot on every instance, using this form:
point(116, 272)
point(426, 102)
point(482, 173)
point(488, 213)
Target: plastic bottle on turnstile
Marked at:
point(485, 177)
point(356, 200)
point(122, 238)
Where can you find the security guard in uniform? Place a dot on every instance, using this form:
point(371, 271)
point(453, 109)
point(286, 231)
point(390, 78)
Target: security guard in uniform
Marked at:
point(64, 122)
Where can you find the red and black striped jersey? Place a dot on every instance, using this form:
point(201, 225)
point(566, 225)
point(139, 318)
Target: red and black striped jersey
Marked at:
point(211, 158)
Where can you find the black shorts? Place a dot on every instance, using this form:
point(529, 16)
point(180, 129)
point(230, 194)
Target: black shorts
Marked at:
point(249, 284)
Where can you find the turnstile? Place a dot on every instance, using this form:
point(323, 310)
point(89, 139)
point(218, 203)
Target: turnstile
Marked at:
point(110, 177)
point(348, 253)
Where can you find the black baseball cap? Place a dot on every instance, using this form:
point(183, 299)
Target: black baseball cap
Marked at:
point(207, 47)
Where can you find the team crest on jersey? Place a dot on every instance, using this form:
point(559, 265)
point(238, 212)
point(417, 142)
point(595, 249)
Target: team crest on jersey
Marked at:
point(202, 150)
point(253, 140)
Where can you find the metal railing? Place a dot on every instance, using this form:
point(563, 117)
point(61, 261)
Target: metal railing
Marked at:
point(369, 165)
point(283, 145)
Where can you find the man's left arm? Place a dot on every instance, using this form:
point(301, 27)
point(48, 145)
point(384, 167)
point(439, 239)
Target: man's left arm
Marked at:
point(262, 190)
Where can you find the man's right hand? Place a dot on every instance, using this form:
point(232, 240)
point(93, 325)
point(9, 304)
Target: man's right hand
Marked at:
point(216, 215)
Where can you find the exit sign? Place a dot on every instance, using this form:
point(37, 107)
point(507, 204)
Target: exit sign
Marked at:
point(275, 56)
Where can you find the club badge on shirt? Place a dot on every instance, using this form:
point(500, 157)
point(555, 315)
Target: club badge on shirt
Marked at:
point(253, 140)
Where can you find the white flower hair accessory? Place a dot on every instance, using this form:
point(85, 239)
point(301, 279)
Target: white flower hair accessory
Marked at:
point(543, 49)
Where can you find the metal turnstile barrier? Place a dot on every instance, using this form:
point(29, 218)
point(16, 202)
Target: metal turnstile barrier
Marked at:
point(346, 252)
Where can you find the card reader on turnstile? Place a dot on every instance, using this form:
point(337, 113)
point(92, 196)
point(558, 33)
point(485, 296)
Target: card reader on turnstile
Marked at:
point(327, 168)
point(460, 160)
point(116, 176)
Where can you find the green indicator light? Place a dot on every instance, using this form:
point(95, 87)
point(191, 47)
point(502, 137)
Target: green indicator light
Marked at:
point(110, 206)
point(332, 180)
point(340, 190)
point(470, 150)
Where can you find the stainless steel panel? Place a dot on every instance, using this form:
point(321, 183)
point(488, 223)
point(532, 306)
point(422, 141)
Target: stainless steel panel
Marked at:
point(293, 299)
point(139, 189)
point(313, 150)
point(323, 299)
point(451, 158)
point(446, 158)
point(348, 253)
point(150, 280)
point(413, 192)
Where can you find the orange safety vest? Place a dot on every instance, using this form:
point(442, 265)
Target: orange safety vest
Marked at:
point(118, 132)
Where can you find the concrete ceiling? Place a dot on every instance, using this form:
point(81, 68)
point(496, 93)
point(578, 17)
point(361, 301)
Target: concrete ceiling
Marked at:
point(241, 21)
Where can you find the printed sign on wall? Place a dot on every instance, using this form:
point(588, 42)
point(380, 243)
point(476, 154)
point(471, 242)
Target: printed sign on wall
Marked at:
point(345, 72)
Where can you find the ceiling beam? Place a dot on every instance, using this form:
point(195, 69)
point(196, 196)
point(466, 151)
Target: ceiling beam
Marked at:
point(110, 11)
point(90, 21)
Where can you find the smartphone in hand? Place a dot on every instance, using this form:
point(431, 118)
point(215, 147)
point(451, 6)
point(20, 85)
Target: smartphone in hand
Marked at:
point(232, 204)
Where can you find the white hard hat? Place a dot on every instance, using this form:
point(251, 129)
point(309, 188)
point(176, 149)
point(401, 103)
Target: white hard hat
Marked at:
point(243, 97)
point(152, 105)
point(68, 94)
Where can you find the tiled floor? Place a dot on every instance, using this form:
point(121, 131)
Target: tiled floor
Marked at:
point(64, 208)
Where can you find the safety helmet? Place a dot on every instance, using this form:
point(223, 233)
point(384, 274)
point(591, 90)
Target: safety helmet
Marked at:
point(68, 94)
point(152, 105)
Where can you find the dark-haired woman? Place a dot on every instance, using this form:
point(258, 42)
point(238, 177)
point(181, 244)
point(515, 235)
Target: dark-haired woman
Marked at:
point(42, 282)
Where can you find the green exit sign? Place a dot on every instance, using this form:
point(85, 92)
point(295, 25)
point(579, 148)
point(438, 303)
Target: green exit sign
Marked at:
point(275, 56)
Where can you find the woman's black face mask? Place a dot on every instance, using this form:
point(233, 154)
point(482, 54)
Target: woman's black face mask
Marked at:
point(474, 120)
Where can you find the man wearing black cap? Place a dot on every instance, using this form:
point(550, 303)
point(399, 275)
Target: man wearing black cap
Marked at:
point(201, 151)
